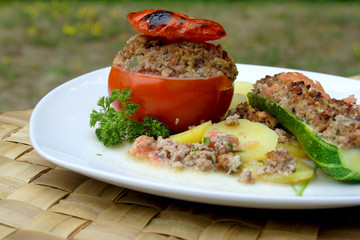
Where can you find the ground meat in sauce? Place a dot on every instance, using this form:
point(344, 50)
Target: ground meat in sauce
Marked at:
point(284, 137)
point(246, 176)
point(218, 155)
point(335, 120)
point(223, 142)
point(232, 120)
point(278, 161)
point(245, 111)
point(184, 59)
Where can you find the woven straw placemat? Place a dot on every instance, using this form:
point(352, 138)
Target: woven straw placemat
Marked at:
point(39, 200)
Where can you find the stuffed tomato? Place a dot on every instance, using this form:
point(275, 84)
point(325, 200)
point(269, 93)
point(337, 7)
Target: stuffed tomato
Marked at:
point(176, 79)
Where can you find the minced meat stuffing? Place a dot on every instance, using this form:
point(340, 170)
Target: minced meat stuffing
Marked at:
point(232, 120)
point(335, 120)
point(247, 176)
point(279, 161)
point(182, 59)
point(245, 111)
point(284, 137)
point(218, 154)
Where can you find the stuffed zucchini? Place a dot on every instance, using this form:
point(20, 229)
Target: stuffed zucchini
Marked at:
point(328, 129)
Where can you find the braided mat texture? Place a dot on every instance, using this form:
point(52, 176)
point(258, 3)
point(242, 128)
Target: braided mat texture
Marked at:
point(39, 200)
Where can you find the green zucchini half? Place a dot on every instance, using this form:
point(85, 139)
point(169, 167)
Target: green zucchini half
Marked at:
point(337, 163)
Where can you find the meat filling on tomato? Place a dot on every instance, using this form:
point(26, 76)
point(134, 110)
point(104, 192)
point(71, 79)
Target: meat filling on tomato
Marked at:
point(181, 59)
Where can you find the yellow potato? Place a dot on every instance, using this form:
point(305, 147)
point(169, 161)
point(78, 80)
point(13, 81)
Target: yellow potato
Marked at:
point(237, 99)
point(302, 173)
point(257, 138)
point(243, 87)
point(192, 135)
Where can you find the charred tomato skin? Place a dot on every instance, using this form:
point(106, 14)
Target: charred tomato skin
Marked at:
point(173, 26)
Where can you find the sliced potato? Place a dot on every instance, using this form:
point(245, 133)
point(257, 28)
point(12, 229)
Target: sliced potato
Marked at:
point(243, 87)
point(192, 135)
point(256, 138)
point(303, 173)
point(237, 99)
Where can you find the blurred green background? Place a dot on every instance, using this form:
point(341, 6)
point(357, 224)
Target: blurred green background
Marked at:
point(46, 43)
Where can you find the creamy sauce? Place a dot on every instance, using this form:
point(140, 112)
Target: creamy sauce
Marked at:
point(121, 160)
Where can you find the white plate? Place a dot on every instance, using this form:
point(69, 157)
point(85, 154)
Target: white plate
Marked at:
point(60, 132)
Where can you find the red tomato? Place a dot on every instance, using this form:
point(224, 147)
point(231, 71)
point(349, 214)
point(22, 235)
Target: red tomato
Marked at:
point(179, 103)
point(173, 25)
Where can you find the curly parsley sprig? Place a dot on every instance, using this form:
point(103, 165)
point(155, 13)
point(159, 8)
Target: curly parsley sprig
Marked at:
point(115, 127)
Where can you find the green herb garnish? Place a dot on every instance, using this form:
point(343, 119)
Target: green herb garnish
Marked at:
point(206, 140)
point(133, 64)
point(300, 190)
point(115, 127)
point(195, 150)
point(237, 151)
